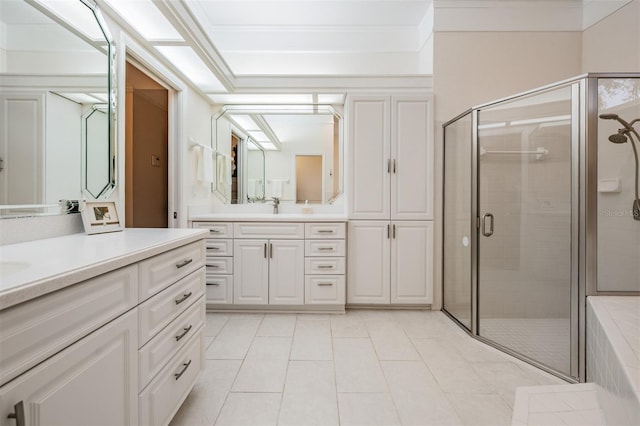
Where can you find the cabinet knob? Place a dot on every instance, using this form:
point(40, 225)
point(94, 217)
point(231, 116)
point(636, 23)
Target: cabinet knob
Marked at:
point(18, 414)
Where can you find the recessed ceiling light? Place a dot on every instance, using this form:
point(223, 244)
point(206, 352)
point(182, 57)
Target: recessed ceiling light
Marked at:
point(268, 146)
point(78, 16)
point(253, 99)
point(331, 99)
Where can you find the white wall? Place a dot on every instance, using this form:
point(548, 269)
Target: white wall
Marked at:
point(613, 44)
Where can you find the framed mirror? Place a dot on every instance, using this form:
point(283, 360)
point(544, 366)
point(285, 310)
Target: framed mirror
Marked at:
point(290, 152)
point(57, 106)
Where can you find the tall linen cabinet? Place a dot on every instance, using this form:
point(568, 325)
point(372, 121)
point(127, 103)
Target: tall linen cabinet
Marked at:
point(390, 250)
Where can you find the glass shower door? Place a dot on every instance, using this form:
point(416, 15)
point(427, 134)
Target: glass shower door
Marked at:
point(526, 202)
point(457, 221)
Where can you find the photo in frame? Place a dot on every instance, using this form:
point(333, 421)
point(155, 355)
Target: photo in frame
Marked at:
point(100, 216)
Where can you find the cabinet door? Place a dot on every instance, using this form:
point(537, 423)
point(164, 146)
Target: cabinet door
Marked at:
point(412, 154)
point(412, 262)
point(368, 271)
point(251, 276)
point(370, 157)
point(93, 381)
point(286, 272)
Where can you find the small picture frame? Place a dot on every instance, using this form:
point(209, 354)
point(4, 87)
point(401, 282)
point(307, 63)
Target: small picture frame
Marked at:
point(100, 216)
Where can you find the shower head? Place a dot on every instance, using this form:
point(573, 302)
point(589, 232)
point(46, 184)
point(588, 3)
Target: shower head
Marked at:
point(618, 138)
point(618, 119)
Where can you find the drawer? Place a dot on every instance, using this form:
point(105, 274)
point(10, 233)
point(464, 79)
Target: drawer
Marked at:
point(220, 265)
point(324, 290)
point(324, 265)
point(160, 310)
point(159, 350)
point(159, 272)
point(325, 230)
point(268, 230)
point(160, 400)
point(219, 247)
point(324, 248)
point(32, 331)
point(219, 289)
point(216, 229)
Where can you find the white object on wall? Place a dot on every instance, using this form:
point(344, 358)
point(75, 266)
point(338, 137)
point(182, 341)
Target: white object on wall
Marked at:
point(610, 184)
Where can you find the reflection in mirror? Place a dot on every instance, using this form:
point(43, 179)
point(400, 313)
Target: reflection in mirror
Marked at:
point(290, 152)
point(56, 68)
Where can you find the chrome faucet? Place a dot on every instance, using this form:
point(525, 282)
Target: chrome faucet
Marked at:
point(276, 203)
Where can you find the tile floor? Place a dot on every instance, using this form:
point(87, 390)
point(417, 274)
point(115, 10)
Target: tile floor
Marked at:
point(367, 367)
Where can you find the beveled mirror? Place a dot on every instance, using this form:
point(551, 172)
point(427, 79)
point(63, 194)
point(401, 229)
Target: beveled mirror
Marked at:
point(57, 105)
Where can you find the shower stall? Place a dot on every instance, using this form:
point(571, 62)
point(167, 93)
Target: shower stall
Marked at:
point(540, 210)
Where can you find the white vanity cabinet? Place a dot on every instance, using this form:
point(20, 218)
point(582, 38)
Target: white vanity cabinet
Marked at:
point(390, 263)
point(278, 264)
point(268, 270)
point(107, 349)
point(219, 245)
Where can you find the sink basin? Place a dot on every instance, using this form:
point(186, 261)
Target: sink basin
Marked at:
point(10, 268)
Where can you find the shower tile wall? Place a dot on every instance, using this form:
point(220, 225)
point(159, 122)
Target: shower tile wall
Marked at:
point(618, 233)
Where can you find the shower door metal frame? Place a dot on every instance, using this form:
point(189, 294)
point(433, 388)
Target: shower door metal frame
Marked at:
point(580, 111)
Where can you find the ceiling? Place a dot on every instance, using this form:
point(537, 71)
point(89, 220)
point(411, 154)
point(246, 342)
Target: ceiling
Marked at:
point(220, 45)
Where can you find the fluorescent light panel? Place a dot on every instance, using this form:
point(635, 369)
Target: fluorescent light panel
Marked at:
point(193, 68)
point(246, 122)
point(77, 15)
point(331, 99)
point(268, 146)
point(253, 99)
point(146, 19)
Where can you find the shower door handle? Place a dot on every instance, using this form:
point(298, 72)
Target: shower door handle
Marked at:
point(485, 232)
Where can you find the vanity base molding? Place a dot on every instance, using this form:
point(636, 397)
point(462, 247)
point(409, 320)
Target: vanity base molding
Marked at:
point(388, 307)
point(277, 309)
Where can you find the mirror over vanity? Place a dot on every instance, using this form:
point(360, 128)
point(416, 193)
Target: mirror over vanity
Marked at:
point(57, 106)
point(290, 152)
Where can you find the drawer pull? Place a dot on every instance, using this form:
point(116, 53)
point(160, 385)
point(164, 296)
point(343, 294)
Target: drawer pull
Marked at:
point(213, 283)
point(183, 298)
point(184, 368)
point(213, 266)
point(184, 333)
point(325, 284)
point(325, 231)
point(215, 231)
point(325, 248)
point(185, 263)
point(325, 266)
point(213, 248)
point(18, 414)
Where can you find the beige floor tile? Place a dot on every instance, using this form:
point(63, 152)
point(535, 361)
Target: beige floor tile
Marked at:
point(408, 376)
point(312, 341)
point(269, 348)
point(357, 368)
point(504, 378)
point(310, 377)
point(360, 409)
point(277, 325)
point(233, 341)
point(309, 409)
point(390, 342)
point(250, 409)
point(261, 375)
point(348, 325)
point(481, 409)
point(425, 408)
point(214, 323)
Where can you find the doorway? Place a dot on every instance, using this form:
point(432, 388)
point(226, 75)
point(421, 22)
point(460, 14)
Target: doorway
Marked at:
point(309, 178)
point(146, 146)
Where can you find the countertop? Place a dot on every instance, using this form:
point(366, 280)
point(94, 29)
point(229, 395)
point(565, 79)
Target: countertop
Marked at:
point(35, 268)
point(266, 217)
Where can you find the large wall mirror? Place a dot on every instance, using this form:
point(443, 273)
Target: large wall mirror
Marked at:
point(290, 152)
point(57, 105)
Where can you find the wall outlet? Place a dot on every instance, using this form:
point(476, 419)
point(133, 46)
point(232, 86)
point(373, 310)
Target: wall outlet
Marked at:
point(155, 161)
